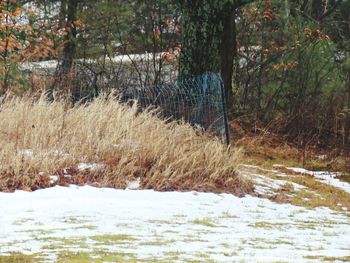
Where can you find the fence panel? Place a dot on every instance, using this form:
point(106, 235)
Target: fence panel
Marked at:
point(198, 100)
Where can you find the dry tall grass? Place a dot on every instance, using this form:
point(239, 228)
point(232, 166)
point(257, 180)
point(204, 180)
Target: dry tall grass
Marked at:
point(39, 139)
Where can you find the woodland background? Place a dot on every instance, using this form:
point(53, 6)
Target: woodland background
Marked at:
point(285, 63)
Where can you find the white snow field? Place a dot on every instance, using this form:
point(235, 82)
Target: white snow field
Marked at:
point(144, 225)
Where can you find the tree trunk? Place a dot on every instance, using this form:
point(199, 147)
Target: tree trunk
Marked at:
point(201, 26)
point(347, 117)
point(64, 66)
point(228, 56)
point(209, 41)
point(317, 8)
point(63, 13)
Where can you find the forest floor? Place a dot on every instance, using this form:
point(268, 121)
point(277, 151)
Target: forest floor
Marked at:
point(295, 215)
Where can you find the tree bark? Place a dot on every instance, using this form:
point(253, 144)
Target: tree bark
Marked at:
point(201, 38)
point(209, 40)
point(64, 66)
point(228, 56)
point(347, 117)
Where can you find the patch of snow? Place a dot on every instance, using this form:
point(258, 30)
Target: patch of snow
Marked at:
point(53, 179)
point(49, 64)
point(27, 152)
point(61, 153)
point(66, 172)
point(52, 64)
point(91, 166)
point(30, 152)
point(324, 177)
point(130, 143)
point(223, 227)
point(133, 185)
point(265, 185)
point(322, 157)
point(282, 175)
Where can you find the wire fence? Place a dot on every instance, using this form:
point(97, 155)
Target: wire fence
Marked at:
point(198, 100)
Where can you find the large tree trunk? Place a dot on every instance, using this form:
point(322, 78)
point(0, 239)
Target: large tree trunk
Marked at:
point(64, 66)
point(318, 8)
point(208, 40)
point(63, 13)
point(201, 29)
point(228, 55)
point(346, 141)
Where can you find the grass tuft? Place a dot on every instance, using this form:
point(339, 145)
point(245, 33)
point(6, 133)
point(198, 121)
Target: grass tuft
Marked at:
point(39, 139)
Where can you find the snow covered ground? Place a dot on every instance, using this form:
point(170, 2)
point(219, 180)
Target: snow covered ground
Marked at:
point(52, 64)
point(324, 177)
point(168, 227)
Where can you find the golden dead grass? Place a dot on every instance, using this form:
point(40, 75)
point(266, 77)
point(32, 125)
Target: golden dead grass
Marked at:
point(126, 143)
point(268, 149)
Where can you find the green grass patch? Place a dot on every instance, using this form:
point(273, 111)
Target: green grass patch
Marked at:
point(329, 259)
point(64, 243)
point(229, 215)
point(22, 221)
point(110, 239)
point(75, 220)
point(268, 225)
point(208, 222)
point(36, 232)
point(157, 243)
point(315, 194)
point(324, 195)
point(18, 258)
point(98, 256)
